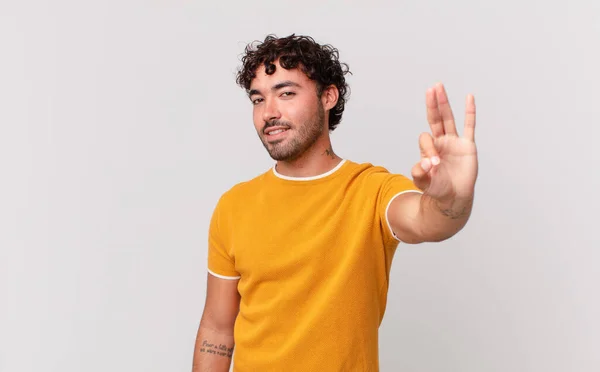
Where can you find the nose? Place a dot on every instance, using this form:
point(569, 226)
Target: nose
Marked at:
point(271, 111)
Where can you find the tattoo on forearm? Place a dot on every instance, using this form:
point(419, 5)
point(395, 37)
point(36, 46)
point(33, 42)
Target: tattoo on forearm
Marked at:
point(220, 350)
point(454, 213)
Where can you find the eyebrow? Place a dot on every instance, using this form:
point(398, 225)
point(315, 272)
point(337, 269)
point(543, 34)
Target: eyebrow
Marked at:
point(283, 84)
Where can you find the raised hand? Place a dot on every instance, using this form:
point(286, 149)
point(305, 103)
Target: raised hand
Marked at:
point(448, 167)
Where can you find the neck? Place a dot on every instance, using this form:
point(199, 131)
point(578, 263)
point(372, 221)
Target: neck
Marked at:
point(317, 160)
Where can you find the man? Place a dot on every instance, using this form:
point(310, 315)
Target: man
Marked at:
point(299, 257)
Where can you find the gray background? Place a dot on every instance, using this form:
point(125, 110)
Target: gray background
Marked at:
point(121, 125)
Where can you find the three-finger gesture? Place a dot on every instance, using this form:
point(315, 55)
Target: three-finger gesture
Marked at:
point(448, 166)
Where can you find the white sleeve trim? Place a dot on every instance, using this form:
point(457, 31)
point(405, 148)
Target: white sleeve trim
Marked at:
point(387, 220)
point(223, 276)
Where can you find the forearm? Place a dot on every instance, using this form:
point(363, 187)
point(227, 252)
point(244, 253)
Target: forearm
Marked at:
point(441, 220)
point(213, 350)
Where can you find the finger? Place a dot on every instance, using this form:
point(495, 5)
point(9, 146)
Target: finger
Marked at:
point(434, 118)
point(445, 109)
point(420, 177)
point(428, 150)
point(470, 118)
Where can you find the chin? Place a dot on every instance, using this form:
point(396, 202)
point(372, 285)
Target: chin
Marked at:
point(284, 155)
point(281, 157)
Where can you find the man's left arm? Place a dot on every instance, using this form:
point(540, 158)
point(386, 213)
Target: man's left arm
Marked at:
point(446, 173)
point(417, 218)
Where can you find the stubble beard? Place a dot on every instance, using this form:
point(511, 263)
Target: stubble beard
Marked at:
point(306, 135)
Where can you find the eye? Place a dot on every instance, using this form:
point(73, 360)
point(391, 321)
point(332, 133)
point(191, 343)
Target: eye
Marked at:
point(287, 94)
point(256, 101)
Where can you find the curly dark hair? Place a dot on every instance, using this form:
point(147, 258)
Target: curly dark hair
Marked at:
point(319, 62)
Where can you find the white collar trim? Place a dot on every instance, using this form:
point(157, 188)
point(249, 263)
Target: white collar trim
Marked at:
point(310, 178)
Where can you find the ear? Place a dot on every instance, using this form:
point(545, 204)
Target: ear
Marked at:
point(329, 97)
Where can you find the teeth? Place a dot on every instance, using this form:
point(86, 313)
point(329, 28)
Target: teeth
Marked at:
point(276, 132)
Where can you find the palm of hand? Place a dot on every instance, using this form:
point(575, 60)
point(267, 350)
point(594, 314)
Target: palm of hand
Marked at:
point(448, 167)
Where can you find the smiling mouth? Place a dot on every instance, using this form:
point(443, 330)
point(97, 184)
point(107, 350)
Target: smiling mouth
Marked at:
point(276, 132)
point(274, 136)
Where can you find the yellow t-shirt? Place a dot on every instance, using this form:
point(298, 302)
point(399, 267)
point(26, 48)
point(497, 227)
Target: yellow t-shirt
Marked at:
point(313, 257)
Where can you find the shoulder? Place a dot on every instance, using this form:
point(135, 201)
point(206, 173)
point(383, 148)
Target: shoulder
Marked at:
point(242, 190)
point(369, 171)
point(379, 178)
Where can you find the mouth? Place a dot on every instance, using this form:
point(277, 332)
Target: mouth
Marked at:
point(274, 133)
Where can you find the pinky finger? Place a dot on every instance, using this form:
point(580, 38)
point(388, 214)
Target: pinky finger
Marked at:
point(420, 174)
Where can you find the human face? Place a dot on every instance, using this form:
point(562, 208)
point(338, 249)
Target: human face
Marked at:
point(288, 115)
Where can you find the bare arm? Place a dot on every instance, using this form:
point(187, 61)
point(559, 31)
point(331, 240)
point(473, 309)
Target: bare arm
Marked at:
point(214, 345)
point(447, 172)
point(417, 218)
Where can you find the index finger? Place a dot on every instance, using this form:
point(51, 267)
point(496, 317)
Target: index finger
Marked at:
point(470, 118)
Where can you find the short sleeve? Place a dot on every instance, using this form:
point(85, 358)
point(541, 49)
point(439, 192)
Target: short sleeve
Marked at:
point(391, 186)
point(221, 261)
